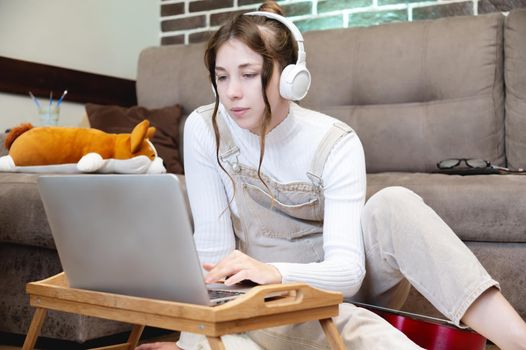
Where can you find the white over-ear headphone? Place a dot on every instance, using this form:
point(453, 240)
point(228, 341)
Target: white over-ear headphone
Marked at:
point(295, 78)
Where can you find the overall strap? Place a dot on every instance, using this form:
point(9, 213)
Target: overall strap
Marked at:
point(335, 133)
point(228, 150)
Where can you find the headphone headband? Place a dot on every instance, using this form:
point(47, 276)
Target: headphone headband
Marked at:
point(287, 22)
point(291, 26)
point(295, 78)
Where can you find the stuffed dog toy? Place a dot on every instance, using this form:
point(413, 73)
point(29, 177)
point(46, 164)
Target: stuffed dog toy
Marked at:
point(33, 148)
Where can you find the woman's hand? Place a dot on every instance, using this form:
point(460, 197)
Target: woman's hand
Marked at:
point(238, 266)
point(158, 346)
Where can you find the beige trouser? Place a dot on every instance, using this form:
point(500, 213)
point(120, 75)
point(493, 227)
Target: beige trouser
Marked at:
point(360, 329)
point(406, 242)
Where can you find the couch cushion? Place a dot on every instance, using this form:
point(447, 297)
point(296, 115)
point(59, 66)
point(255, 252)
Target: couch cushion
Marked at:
point(21, 265)
point(415, 136)
point(438, 81)
point(173, 74)
point(22, 216)
point(167, 121)
point(483, 208)
point(406, 62)
point(515, 77)
point(23, 219)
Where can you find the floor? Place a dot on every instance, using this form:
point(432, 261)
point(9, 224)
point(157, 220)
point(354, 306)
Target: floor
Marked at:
point(174, 337)
point(490, 347)
point(151, 336)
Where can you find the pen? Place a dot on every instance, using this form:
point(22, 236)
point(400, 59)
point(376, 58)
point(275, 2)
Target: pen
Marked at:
point(34, 99)
point(61, 98)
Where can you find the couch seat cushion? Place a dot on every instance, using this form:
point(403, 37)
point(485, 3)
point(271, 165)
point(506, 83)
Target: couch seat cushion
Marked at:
point(23, 219)
point(483, 208)
point(22, 216)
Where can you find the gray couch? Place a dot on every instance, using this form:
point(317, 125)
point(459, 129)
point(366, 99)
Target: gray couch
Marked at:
point(415, 93)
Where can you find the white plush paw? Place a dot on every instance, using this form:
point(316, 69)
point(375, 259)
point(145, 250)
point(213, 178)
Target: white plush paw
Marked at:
point(157, 166)
point(90, 163)
point(135, 165)
point(7, 163)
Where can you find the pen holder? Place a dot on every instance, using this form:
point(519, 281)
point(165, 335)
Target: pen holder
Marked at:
point(48, 116)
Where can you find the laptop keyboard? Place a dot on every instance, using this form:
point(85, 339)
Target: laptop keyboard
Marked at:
point(218, 294)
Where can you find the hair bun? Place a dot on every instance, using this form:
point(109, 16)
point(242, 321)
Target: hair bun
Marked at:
point(271, 6)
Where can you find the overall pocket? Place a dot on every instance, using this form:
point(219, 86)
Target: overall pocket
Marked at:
point(284, 220)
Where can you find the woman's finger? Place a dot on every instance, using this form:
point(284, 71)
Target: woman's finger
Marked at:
point(238, 266)
point(220, 272)
point(228, 266)
point(208, 266)
point(238, 277)
point(158, 346)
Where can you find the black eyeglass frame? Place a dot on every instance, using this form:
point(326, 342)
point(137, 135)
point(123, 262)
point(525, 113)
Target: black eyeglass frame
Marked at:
point(467, 161)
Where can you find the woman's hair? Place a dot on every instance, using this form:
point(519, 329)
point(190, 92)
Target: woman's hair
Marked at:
point(267, 37)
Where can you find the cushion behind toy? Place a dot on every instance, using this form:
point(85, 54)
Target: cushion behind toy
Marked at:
point(116, 119)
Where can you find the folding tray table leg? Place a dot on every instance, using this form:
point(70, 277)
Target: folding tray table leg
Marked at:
point(131, 344)
point(332, 334)
point(135, 335)
point(34, 328)
point(216, 343)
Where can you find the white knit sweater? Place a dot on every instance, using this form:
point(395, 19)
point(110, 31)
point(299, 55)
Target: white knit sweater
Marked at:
point(289, 150)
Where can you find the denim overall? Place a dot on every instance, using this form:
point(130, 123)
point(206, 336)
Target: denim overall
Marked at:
point(286, 225)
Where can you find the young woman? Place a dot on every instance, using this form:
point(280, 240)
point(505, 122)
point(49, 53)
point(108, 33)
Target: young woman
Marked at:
point(277, 194)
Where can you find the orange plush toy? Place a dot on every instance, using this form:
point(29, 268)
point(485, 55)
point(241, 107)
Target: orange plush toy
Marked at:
point(62, 149)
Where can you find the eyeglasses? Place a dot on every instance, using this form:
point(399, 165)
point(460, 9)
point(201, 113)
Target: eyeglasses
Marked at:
point(472, 163)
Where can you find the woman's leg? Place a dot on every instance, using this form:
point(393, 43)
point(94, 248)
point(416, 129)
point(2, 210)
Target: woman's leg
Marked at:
point(492, 315)
point(190, 341)
point(359, 328)
point(406, 240)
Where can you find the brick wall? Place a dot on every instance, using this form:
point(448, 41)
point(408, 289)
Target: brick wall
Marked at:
point(190, 21)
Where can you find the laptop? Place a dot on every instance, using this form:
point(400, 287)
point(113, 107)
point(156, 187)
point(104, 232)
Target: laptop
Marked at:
point(128, 234)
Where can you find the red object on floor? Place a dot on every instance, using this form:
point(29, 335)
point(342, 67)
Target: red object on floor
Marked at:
point(431, 333)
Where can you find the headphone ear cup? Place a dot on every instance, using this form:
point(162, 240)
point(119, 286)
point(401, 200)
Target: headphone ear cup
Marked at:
point(294, 82)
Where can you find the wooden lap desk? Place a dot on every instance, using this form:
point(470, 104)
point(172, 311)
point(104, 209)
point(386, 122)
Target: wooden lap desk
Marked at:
point(296, 303)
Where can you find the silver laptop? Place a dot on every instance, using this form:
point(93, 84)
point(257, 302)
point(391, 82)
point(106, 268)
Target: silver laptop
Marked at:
point(127, 234)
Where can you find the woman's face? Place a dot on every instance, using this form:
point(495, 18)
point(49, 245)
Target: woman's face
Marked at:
point(238, 78)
